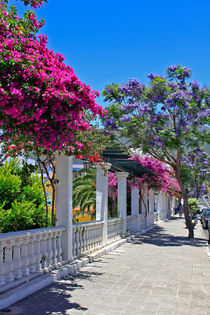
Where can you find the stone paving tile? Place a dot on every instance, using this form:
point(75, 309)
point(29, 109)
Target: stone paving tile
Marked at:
point(160, 273)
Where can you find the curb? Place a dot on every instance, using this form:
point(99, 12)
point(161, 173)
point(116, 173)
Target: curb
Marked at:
point(206, 246)
point(16, 294)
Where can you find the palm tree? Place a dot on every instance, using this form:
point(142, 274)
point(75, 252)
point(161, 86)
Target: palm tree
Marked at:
point(84, 189)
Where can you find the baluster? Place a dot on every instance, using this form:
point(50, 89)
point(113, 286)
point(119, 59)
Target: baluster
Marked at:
point(43, 251)
point(94, 232)
point(83, 239)
point(2, 263)
point(49, 250)
point(80, 240)
point(9, 261)
point(37, 247)
point(96, 235)
point(76, 241)
point(24, 256)
point(86, 239)
point(54, 247)
point(74, 238)
point(17, 259)
point(99, 233)
point(59, 247)
point(91, 237)
point(31, 253)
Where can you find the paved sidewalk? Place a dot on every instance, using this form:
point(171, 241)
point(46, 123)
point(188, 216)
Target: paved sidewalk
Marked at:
point(161, 272)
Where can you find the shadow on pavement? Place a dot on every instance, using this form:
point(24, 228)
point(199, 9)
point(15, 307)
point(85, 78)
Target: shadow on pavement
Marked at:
point(54, 299)
point(159, 237)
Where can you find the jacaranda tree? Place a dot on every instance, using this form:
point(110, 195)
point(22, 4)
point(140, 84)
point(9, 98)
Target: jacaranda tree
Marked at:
point(163, 119)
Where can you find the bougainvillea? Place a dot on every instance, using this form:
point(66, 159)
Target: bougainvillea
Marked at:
point(161, 177)
point(34, 3)
point(40, 96)
point(164, 119)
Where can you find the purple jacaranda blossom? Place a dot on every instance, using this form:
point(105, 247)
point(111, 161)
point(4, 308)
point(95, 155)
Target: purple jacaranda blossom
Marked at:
point(133, 88)
point(144, 109)
point(110, 123)
point(172, 85)
point(187, 72)
point(109, 89)
point(207, 101)
point(204, 113)
point(130, 107)
point(194, 84)
point(151, 76)
point(125, 118)
point(172, 68)
point(202, 190)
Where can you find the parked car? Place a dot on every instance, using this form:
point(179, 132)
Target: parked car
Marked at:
point(205, 217)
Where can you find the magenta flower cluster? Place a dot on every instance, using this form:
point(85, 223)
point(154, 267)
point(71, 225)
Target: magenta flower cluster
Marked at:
point(162, 178)
point(40, 96)
point(34, 3)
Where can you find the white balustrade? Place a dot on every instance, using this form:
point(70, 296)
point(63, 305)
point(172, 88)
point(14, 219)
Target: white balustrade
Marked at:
point(150, 219)
point(87, 237)
point(132, 223)
point(115, 228)
point(26, 252)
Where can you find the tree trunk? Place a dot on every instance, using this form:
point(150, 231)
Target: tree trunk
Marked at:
point(43, 185)
point(188, 220)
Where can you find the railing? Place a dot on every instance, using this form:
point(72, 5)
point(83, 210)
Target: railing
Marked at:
point(114, 228)
point(86, 236)
point(133, 223)
point(150, 219)
point(27, 252)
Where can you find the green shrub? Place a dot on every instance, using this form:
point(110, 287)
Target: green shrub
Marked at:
point(193, 204)
point(22, 205)
point(10, 184)
point(19, 217)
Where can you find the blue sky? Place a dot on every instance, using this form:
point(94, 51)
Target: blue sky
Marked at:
point(112, 41)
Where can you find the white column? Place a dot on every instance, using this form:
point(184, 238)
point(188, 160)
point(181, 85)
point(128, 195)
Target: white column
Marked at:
point(135, 201)
point(144, 202)
point(151, 201)
point(102, 195)
point(64, 202)
point(151, 206)
point(122, 198)
point(160, 205)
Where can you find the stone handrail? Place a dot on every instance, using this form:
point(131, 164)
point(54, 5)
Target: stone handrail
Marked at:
point(27, 252)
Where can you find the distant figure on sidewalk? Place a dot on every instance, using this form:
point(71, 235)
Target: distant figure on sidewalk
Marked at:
point(180, 211)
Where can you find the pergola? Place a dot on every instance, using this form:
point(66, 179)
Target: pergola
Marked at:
point(121, 163)
point(115, 160)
